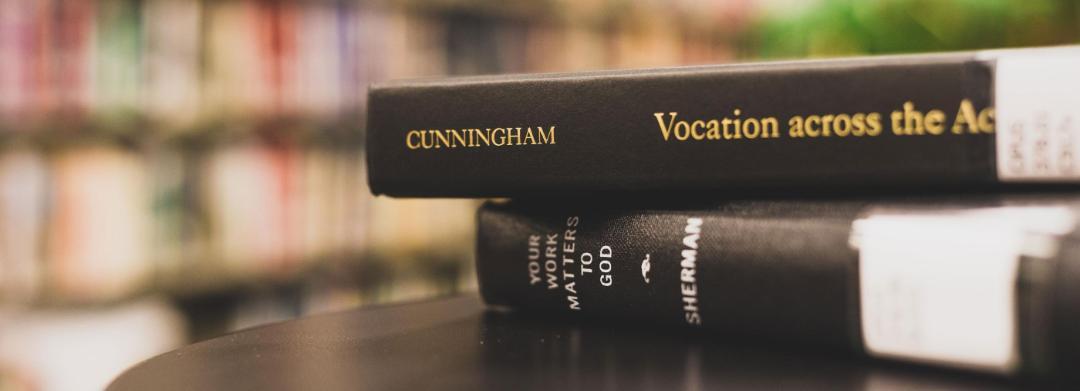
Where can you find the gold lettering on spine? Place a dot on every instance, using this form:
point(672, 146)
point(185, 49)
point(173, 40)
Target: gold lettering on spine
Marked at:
point(442, 139)
point(682, 131)
point(873, 121)
point(476, 137)
point(771, 126)
point(727, 128)
point(751, 132)
point(968, 119)
point(714, 130)
point(548, 137)
point(694, 127)
point(425, 140)
point(459, 138)
point(826, 124)
point(810, 129)
point(795, 127)
point(498, 137)
point(665, 128)
point(410, 137)
point(841, 125)
point(482, 137)
point(935, 122)
point(513, 136)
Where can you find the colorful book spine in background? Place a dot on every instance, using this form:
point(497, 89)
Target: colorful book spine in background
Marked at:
point(942, 120)
point(171, 60)
point(982, 285)
point(23, 202)
point(118, 57)
point(99, 226)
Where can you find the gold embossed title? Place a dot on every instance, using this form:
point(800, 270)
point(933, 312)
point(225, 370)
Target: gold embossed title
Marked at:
point(905, 121)
point(477, 137)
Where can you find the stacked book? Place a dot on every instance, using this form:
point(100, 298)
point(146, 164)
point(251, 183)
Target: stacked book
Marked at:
point(917, 208)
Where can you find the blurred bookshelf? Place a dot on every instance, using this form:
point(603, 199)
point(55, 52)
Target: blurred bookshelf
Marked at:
point(208, 155)
point(179, 147)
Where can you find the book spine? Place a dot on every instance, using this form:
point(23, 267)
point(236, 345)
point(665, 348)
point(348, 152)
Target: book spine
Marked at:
point(856, 123)
point(973, 290)
point(787, 279)
point(897, 122)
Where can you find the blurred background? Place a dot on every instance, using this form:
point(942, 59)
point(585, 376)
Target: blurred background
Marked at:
point(172, 170)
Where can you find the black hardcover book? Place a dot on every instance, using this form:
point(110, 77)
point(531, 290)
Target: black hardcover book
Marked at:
point(986, 285)
point(942, 120)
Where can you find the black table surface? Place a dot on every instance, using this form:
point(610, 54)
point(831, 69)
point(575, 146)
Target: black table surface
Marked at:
point(454, 343)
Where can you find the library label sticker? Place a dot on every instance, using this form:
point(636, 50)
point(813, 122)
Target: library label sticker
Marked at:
point(940, 287)
point(1037, 99)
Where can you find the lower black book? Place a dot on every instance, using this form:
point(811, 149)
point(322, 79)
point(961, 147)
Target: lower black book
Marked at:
point(986, 284)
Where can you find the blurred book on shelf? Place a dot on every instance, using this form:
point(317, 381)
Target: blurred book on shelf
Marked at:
point(181, 146)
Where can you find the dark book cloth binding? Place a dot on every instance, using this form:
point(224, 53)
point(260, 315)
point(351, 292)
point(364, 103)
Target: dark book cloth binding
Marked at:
point(987, 286)
point(940, 120)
